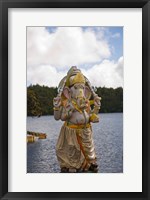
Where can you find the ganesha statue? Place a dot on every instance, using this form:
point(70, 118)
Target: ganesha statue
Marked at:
point(75, 147)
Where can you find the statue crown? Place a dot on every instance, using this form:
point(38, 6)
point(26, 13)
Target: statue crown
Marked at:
point(78, 78)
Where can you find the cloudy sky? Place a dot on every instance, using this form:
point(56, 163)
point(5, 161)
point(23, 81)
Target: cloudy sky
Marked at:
point(97, 51)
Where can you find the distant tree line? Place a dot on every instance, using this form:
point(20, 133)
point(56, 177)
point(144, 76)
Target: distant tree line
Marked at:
point(40, 99)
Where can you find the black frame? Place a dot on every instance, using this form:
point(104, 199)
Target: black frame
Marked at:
point(4, 5)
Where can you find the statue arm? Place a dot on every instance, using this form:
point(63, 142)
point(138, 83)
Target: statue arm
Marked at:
point(66, 114)
point(57, 107)
point(57, 112)
point(94, 113)
point(67, 111)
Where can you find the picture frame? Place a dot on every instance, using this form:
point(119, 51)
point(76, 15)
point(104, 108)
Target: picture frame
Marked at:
point(4, 89)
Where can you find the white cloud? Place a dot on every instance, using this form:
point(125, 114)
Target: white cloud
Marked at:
point(45, 75)
point(66, 47)
point(108, 74)
point(115, 35)
point(50, 55)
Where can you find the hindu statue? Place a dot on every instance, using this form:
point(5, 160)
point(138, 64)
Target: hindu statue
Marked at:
point(78, 106)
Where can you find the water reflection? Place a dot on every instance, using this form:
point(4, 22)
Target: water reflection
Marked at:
point(108, 139)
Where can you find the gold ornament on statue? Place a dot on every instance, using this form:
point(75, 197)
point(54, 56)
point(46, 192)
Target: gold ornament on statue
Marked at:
point(78, 78)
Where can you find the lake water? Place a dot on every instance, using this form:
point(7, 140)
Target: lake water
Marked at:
point(108, 140)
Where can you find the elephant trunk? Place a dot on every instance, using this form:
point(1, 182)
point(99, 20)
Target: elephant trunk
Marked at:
point(81, 102)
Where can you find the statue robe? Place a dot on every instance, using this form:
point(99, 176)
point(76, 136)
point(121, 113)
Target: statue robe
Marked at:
point(75, 147)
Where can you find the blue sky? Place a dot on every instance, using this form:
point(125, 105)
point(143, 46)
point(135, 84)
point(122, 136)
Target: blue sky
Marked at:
point(114, 35)
point(97, 51)
point(116, 42)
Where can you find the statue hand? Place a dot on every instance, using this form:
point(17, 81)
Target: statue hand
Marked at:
point(97, 102)
point(57, 101)
point(82, 103)
point(94, 118)
point(69, 106)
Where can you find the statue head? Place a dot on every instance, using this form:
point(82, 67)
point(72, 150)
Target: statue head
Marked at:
point(76, 85)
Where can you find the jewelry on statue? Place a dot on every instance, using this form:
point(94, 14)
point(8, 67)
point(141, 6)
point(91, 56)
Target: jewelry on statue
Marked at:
point(56, 109)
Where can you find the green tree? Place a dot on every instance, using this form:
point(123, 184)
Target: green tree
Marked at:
point(112, 99)
point(40, 99)
point(33, 104)
point(45, 95)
